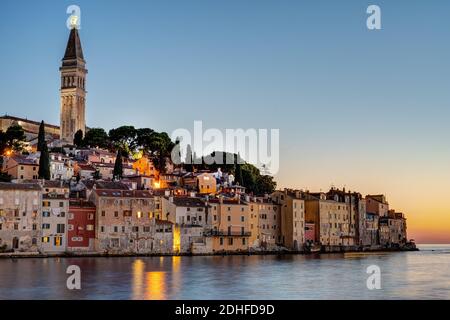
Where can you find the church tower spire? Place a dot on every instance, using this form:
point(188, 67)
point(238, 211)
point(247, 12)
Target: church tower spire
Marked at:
point(73, 88)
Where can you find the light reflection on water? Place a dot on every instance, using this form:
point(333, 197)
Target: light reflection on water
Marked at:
point(405, 275)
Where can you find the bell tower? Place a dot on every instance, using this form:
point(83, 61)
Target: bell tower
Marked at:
point(73, 89)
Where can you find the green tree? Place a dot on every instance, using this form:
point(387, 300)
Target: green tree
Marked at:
point(161, 147)
point(124, 137)
point(41, 136)
point(118, 169)
point(15, 137)
point(78, 138)
point(3, 142)
point(265, 184)
point(144, 137)
point(96, 137)
point(4, 177)
point(44, 163)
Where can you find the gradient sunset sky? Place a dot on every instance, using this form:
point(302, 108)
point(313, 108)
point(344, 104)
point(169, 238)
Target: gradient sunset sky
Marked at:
point(368, 110)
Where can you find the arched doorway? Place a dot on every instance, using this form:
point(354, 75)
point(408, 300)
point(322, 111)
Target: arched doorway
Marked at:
point(15, 243)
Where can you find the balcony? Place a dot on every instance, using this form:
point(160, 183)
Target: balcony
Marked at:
point(218, 233)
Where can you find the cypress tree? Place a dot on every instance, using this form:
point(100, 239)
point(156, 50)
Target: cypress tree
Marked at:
point(239, 178)
point(41, 136)
point(189, 162)
point(118, 170)
point(44, 163)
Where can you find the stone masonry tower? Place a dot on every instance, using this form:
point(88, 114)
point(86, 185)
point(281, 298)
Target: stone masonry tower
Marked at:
point(73, 89)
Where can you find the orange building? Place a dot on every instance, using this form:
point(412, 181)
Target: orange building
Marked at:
point(19, 167)
point(144, 166)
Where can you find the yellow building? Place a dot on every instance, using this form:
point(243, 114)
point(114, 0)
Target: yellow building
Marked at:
point(292, 218)
point(229, 221)
point(264, 222)
point(333, 220)
point(206, 183)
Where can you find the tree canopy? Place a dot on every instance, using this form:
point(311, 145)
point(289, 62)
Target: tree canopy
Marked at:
point(96, 137)
point(78, 138)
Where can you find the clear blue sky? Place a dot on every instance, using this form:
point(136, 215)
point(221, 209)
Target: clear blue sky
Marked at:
point(368, 109)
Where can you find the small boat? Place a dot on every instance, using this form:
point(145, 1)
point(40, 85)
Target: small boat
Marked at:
point(315, 248)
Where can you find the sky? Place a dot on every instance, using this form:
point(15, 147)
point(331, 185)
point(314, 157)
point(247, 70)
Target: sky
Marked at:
point(368, 110)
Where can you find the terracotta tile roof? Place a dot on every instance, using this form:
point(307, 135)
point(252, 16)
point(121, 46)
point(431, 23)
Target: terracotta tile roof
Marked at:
point(187, 202)
point(20, 186)
point(124, 194)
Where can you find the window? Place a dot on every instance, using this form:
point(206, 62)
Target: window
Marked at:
point(61, 204)
point(34, 226)
point(1, 226)
point(139, 214)
point(199, 218)
point(103, 213)
point(188, 218)
point(16, 226)
point(62, 214)
point(24, 214)
point(102, 229)
point(46, 214)
point(229, 218)
point(34, 241)
point(60, 228)
point(243, 241)
point(221, 241)
point(116, 229)
point(46, 226)
point(135, 229)
point(116, 214)
point(242, 218)
point(45, 239)
point(90, 227)
point(58, 241)
point(215, 217)
point(146, 229)
point(230, 241)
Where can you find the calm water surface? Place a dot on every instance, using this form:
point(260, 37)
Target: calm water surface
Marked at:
point(405, 275)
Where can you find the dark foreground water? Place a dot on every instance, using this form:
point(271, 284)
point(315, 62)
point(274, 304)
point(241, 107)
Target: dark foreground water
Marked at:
point(404, 275)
